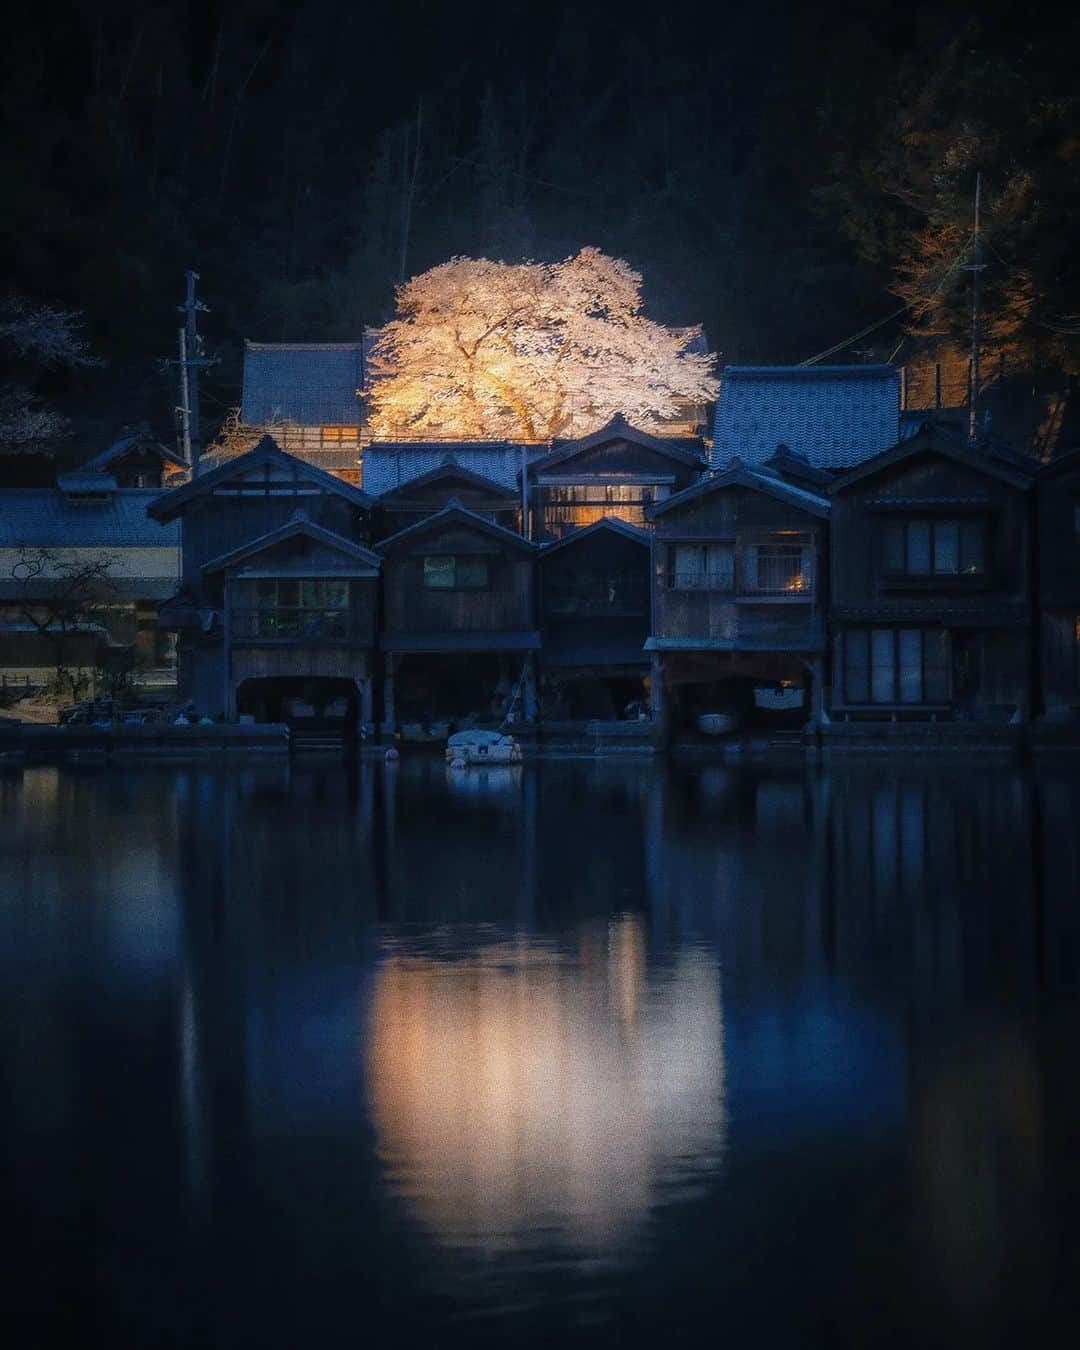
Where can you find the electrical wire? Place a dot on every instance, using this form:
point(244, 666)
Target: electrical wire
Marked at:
point(922, 305)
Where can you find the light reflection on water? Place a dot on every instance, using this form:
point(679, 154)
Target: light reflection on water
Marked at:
point(590, 1052)
point(525, 1094)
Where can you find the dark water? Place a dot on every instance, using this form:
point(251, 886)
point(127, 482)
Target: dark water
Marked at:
point(580, 1054)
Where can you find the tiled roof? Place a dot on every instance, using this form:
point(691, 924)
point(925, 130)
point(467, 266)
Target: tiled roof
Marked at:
point(834, 416)
point(738, 474)
point(312, 384)
point(267, 453)
point(46, 518)
point(454, 510)
point(390, 465)
point(611, 524)
point(686, 449)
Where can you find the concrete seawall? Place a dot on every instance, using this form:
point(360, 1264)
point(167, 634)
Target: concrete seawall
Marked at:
point(122, 743)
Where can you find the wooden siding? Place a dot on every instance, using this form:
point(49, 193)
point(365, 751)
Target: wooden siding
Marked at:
point(924, 487)
point(252, 663)
point(1059, 539)
point(215, 525)
point(594, 600)
point(507, 604)
point(1059, 638)
point(737, 616)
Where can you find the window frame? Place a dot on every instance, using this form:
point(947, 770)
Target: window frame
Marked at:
point(902, 526)
point(873, 637)
point(726, 575)
point(456, 559)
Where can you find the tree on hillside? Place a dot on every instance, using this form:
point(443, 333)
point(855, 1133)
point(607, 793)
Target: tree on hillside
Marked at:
point(985, 99)
point(37, 338)
point(529, 351)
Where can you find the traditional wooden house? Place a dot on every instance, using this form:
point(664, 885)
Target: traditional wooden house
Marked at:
point(738, 598)
point(931, 576)
point(459, 620)
point(278, 599)
point(82, 573)
point(1058, 598)
point(594, 620)
point(417, 498)
point(616, 473)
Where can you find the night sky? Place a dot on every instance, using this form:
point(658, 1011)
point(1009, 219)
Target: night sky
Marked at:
point(738, 155)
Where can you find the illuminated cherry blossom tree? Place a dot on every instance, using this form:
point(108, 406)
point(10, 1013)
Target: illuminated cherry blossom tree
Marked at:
point(528, 352)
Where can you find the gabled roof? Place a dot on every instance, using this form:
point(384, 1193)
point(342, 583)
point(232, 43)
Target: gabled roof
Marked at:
point(299, 523)
point(934, 440)
point(454, 511)
point(310, 383)
point(170, 503)
point(137, 440)
point(617, 429)
point(393, 464)
point(449, 468)
point(834, 416)
point(756, 479)
point(621, 527)
point(786, 462)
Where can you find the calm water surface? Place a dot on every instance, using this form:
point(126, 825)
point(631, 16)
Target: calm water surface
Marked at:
point(580, 1054)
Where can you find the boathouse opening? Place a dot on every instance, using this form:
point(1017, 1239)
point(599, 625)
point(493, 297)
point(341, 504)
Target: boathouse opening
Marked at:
point(435, 687)
point(304, 703)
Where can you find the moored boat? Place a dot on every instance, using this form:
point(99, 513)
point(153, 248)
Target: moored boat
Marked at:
point(465, 748)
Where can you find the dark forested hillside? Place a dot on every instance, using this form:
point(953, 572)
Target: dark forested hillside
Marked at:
point(785, 176)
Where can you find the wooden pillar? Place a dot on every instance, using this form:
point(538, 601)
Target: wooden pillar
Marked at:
point(656, 687)
point(528, 691)
point(389, 724)
point(817, 695)
point(229, 709)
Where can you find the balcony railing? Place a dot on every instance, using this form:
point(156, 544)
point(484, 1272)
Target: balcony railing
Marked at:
point(616, 596)
point(295, 624)
point(778, 575)
point(774, 579)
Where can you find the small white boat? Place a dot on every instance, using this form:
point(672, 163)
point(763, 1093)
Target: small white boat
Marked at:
point(717, 723)
point(465, 748)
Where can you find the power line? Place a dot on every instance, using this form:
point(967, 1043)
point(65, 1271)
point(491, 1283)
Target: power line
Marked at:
point(922, 304)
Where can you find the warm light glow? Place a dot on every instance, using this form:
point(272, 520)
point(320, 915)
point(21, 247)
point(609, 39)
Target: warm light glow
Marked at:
point(529, 352)
point(525, 1089)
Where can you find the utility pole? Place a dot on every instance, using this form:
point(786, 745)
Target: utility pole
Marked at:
point(190, 363)
point(975, 267)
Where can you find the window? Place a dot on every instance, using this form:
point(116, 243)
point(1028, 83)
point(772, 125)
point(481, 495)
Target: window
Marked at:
point(895, 666)
point(703, 567)
point(777, 569)
point(456, 572)
point(940, 548)
point(293, 607)
point(590, 592)
point(577, 504)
